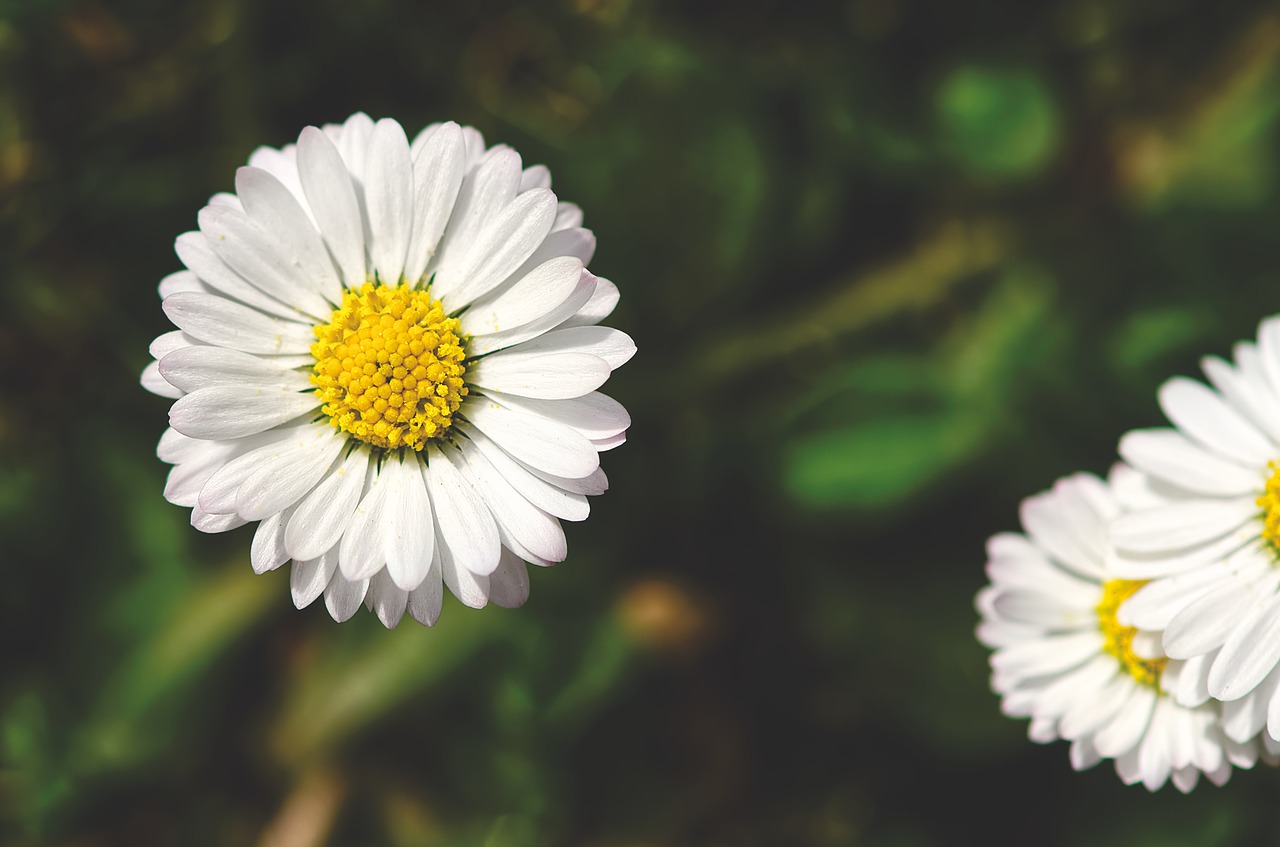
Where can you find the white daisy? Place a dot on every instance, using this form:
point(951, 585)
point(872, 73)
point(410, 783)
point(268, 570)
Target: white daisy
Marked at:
point(388, 354)
point(1064, 660)
point(1205, 530)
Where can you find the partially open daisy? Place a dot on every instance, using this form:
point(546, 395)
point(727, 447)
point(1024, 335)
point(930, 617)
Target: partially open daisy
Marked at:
point(1065, 660)
point(1205, 530)
point(389, 355)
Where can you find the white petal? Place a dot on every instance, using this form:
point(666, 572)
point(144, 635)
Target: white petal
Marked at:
point(509, 584)
point(485, 191)
point(309, 578)
point(545, 495)
point(425, 600)
point(482, 344)
point(603, 300)
point(276, 209)
point(342, 596)
point(388, 192)
point(267, 551)
point(410, 530)
point(537, 442)
point(1201, 413)
point(193, 368)
point(612, 345)
point(1180, 524)
point(332, 197)
point(166, 343)
point(220, 321)
point(195, 251)
point(180, 281)
point(1205, 624)
point(438, 166)
point(502, 245)
point(595, 415)
point(234, 411)
point(471, 588)
point(387, 600)
point(154, 381)
point(362, 551)
point(1168, 454)
point(550, 376)
point(463, 522)
point(519, 521)
point(321, 518)
point(1247, 388)
point(256, 255)
point(1126, 729)
point(251, 454)
point(206, 522)
point(568, 216)
point(286, 472)
point(530, 298)
point(1250, 652)
point(535, 176)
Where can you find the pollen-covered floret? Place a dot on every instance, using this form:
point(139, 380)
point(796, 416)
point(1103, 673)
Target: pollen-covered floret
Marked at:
point(389, 366)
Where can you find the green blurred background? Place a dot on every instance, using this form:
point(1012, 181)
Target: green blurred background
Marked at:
point(892, 265)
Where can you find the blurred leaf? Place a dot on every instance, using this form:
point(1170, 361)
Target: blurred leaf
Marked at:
point(1000, 122)
point(198, 629)
point(878, 463)
point(1151, 336)
point(353, 688)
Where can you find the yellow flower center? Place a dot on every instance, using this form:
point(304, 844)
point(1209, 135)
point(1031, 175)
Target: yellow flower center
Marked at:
point(1269, 503)
point(1118, 640)
point(389, 366)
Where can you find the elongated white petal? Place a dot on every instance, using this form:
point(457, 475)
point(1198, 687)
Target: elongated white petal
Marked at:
point(320, 519)
point(362, 551)
point(547, 496)
point(309, 578)
point(194, 368)
point(462, 519)
point(256, 255)
point(388, 192)
point(1202, 414)
point(542, 444)
point(277, 210)
point(233, 411)
point(410, 538)
point(1171, 456)
point(219, 321)
point(154, 381)
point(332, 196)
point(195, 251)
point(438, 166)
point(531, 297)
point(550, 376)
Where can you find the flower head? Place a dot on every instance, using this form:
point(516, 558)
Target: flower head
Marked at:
point(1204, 528)
point(1065, 658)
point(388, 354)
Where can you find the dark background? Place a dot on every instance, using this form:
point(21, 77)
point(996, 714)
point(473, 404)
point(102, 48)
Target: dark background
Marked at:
point(892, 265)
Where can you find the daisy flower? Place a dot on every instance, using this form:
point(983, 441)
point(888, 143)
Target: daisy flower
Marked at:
point(1063, 658)
point(388, 354)
point(1204, 529)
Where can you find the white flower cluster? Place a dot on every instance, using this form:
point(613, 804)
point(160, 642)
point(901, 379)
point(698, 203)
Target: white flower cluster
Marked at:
point(1139, 618)
point(388, 353)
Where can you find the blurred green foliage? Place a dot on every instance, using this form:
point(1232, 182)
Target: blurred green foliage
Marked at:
point(892, 265)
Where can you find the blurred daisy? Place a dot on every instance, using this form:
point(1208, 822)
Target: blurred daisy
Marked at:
point(1063, 659)
point(388, 353)
point(1205, 530)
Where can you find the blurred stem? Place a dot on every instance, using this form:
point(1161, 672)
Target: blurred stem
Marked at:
point(307, 816)
point(912, 283)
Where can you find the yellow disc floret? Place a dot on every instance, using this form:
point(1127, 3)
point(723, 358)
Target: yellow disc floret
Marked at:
point(1269, 503)
point(389, 366)
point(1118, 640)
